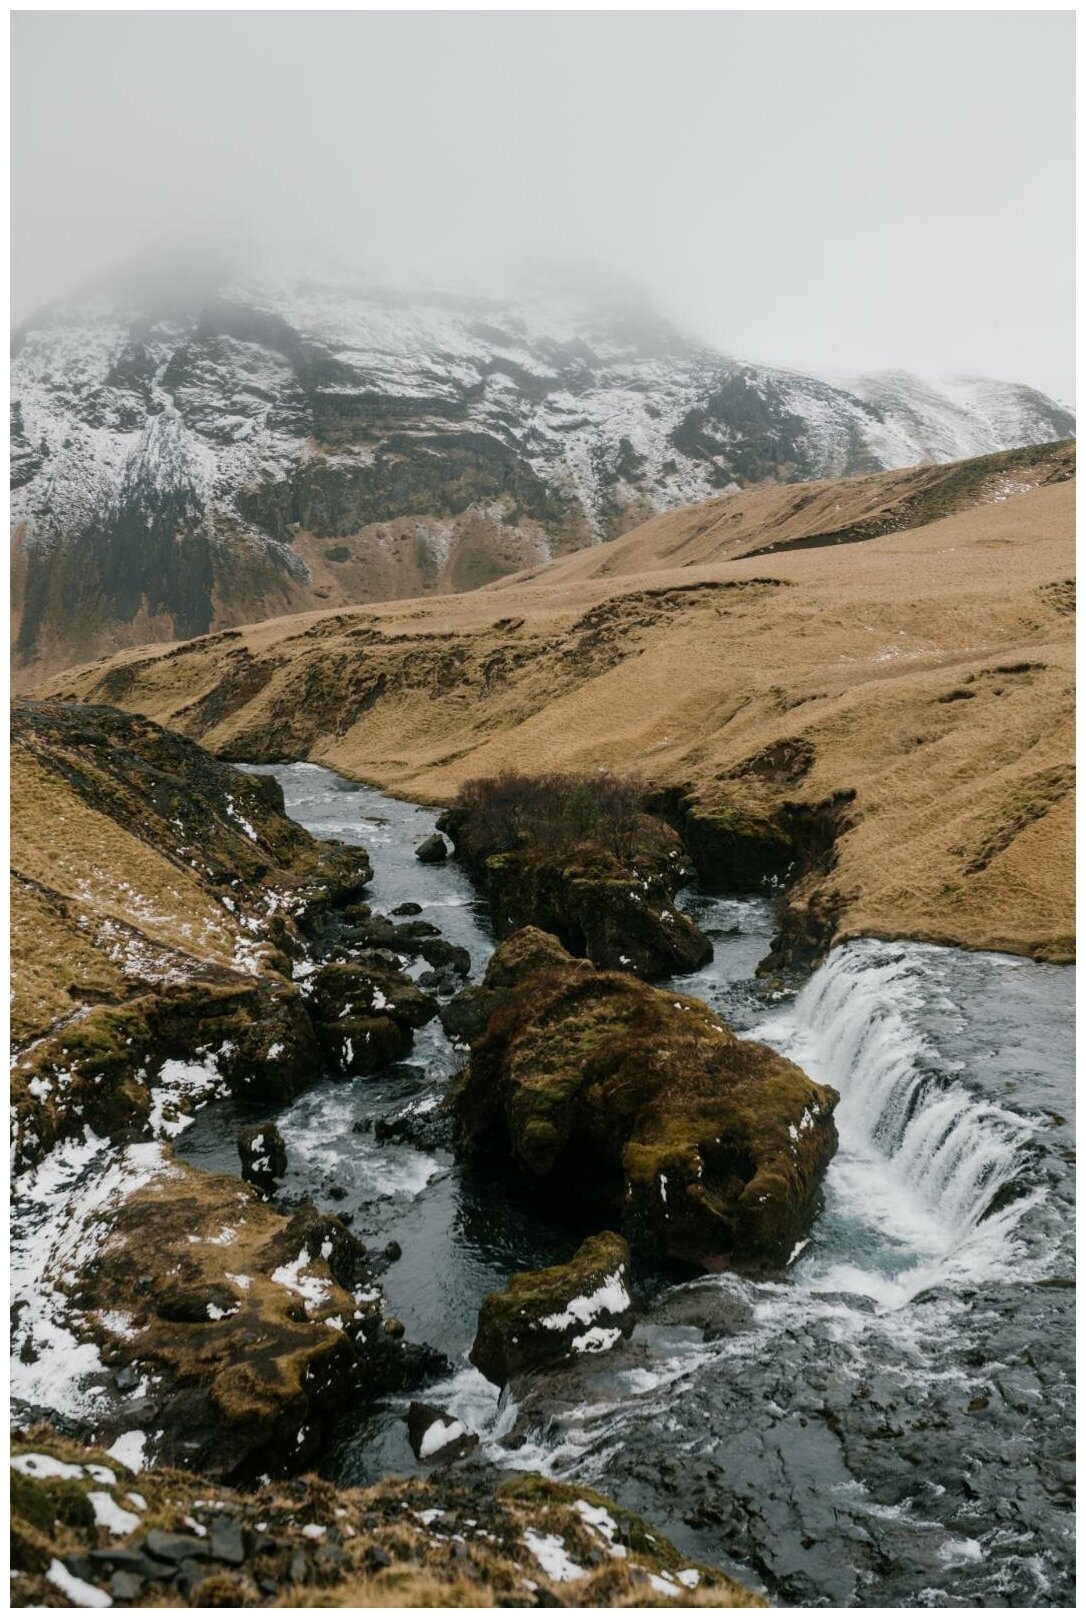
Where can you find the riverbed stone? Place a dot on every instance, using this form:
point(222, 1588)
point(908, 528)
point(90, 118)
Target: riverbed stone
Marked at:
point(641, 1104)
point(437, 1438)
point(433, 850)
point(544, 1316)
point(263, 1153)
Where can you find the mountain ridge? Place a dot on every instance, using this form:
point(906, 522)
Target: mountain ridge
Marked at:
point(186, 464)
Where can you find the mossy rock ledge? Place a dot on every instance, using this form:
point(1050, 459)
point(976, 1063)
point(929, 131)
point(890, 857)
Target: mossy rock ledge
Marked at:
point(644, 1108)
point(243, 1332)
point(613, 905)
point(543, 1316)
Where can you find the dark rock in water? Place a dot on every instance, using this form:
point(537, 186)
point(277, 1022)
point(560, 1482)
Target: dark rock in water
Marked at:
point(438, 952)
point(408, 908)
point(433, 849)
point(263, 1153)
point(346, 989)
point(604, 887)
point(356, 1046)
point(543, 1316)
point(271, 1056)
point(641, 1105)
point(393, 1251)
point(436, 1437)
point(365, 1013)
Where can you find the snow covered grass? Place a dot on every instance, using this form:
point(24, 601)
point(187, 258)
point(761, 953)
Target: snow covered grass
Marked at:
point(59, 1219)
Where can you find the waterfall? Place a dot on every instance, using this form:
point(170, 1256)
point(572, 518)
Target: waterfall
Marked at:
point(858, 1025)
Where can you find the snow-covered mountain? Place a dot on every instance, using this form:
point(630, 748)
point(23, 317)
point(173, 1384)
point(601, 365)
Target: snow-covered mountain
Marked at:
point(273, 444)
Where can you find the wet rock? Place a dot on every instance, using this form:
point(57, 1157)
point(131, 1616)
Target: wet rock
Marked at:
point(263, 1153)
point(544, 1316)
point(438, 952)
point(393, 1251)
point(641, 1105)
point(271, 1055)
point(436, 1437)
point(408, 908)
point(356, 1046)
point(346, 989)
point(433, 850)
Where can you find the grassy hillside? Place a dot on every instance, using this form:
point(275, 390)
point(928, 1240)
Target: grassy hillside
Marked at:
point(890, 658)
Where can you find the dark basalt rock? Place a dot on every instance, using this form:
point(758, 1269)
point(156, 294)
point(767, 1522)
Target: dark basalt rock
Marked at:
point(544, 1316)
point(642, 1106)
point(365, 1013)
point(433, 850)
point(263, 1153)
point(356, 1046)
point(351, 989)
point(436, 1437)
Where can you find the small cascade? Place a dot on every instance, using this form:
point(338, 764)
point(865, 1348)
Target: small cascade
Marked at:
point(856, 1026)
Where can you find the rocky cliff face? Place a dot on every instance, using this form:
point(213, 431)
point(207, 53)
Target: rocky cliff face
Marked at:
point(267, 445)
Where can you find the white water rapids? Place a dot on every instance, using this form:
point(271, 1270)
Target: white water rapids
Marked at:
point(886, 1424)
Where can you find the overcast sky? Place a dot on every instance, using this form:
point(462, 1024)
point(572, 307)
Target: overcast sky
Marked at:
point(831, 191)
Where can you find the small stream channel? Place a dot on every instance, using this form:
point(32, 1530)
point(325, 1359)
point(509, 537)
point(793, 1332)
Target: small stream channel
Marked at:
point(890, 1425)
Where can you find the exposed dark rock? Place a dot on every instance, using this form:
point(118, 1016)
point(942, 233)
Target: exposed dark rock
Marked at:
point(433, 850)
point(436, 1437)
point(263, 1153)
point(579, 858)
point(542, 1316)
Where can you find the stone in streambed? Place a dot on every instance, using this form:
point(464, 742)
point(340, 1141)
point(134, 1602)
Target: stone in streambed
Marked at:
point(436, 1437)
point(544, 1316)
point(356, 1046)
point(365, 1014)
point(263, 1153)
point(352, 989)
point(432, 850)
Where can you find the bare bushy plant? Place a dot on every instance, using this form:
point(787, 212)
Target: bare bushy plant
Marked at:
point(502, 813)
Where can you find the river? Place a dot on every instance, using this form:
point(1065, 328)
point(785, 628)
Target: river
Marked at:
point(890, 1425)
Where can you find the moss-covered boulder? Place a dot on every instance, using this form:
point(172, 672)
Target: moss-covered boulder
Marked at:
point(543, 1316)
point(577, 856)
point(643, 1107)
point(250, 1329)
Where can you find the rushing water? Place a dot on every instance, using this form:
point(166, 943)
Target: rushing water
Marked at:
point(890, 1425)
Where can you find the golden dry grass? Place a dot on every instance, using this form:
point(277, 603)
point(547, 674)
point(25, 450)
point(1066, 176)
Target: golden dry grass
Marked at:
point(96, 911)
point(930, 669)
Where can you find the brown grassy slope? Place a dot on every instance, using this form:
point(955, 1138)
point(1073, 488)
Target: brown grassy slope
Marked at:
point(930, 670)
point(766, 520)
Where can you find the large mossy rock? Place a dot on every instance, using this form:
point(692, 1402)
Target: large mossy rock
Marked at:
point(605, 887)
point(252, 1329)
point(642, 1106)
point(543, 1316)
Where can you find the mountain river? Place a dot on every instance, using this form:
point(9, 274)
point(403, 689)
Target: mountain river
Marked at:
point(890, 1425)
